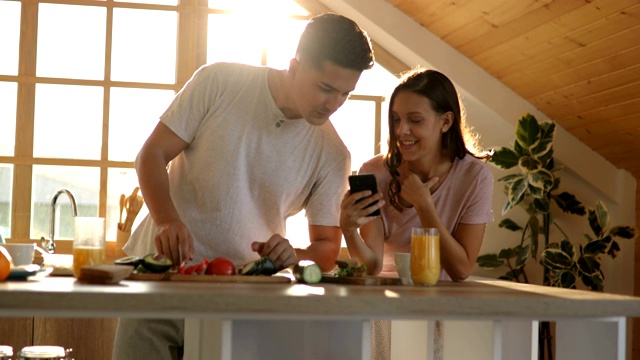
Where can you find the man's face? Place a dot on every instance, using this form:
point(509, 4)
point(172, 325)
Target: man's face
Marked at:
point(319, 93)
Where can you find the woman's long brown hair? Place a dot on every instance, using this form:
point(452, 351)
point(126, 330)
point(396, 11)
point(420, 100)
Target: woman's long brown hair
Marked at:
point(458, 141)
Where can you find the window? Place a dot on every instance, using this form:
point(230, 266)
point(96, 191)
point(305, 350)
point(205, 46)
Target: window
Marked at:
point(90, 81)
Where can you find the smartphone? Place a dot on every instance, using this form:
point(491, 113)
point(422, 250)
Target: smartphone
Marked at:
point(364, 182)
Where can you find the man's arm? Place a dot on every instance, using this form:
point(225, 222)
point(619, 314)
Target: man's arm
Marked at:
point(324, 248)
point(173, 237)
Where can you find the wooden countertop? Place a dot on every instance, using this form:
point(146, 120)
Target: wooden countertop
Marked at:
point(476, 298)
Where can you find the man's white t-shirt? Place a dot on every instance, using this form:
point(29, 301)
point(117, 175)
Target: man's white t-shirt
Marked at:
point(247, 167)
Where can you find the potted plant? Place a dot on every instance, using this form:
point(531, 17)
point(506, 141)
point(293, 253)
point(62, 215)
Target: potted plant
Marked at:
point(536, 189)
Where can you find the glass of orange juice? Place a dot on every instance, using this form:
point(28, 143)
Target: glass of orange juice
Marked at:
point(88, 243)
point(425, 256)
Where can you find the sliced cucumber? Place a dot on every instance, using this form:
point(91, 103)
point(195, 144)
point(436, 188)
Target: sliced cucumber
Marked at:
point(307, 271)
point(156, 263)
point(262, 266)
point(129, 260)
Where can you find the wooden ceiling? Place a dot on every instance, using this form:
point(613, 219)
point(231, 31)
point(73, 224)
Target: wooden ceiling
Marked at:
point(577, 61)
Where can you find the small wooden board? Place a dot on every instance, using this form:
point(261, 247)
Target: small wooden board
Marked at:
point(362, 280)
point(210, 278)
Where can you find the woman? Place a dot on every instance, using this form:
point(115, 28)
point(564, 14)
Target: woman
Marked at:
point(432, 176)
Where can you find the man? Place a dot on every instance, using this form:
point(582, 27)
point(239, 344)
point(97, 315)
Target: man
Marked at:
point(249, 147)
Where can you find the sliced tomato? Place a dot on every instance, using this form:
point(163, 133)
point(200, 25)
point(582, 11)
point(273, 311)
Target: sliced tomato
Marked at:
point(190, 269)
point(182, 268)
point(202, 266)
point(221, 266)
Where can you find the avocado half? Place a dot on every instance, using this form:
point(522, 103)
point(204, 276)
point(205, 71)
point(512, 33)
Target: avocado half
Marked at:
point(156, 263)
point(129, 260)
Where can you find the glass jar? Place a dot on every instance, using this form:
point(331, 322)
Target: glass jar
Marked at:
point(44, 353)
point(6, 352)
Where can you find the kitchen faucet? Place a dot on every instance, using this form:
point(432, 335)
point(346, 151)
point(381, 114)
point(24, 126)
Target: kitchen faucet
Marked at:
point(49, 244)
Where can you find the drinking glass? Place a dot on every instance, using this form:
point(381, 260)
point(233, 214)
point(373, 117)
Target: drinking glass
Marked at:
point(88, 243)
point(425, 256)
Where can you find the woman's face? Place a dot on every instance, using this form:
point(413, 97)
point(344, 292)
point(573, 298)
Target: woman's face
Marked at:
point(417, 127)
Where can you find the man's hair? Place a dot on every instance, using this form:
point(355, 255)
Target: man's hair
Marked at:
point(337, 39)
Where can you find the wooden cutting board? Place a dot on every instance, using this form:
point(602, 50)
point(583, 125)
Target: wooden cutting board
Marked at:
point(362, 280)
point(210, 278)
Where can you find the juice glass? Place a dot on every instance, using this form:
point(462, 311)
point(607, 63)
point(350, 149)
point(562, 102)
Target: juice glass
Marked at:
point(425, 256)
point(88, 243)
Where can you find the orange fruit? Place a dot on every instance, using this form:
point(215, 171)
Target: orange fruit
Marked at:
point(6, 263)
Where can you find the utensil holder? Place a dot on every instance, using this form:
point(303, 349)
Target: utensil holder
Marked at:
point(121, 238)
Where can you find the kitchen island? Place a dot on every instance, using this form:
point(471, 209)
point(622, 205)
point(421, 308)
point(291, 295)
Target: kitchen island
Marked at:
point(215, 311)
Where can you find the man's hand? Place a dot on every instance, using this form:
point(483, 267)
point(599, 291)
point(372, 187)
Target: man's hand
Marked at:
point(278, 249)
point(174, 241)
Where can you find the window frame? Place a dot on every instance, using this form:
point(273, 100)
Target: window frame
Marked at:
point(191, 54)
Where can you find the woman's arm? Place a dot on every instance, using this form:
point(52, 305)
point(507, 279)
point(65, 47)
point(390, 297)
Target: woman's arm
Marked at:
point(353, 217)
point(458, 252)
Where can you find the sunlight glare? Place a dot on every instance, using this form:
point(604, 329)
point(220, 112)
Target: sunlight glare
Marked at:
point(260, 7)
point(10, 39)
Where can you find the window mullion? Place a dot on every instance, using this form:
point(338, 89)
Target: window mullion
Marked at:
point(192, 39)
point(22, 173)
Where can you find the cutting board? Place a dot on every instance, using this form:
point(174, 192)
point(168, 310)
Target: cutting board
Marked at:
point(362, 280)
point(210, 278)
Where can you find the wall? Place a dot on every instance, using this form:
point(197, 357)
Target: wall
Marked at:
point(493, 109)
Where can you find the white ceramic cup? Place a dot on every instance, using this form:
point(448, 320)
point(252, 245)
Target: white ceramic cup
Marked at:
point(403, 267)
point(22, 254)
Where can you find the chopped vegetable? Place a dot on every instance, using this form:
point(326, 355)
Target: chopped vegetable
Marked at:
point(129, 260)
point(156, 263)
point(262, 266)
point(350, 269)
point(307, 271)
point(221, 266)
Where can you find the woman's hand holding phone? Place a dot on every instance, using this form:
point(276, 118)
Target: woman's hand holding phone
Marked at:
point(362, 183)
point(360, 204)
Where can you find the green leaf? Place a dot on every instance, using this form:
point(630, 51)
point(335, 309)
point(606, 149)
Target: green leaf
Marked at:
point(595, 247)
point(508, 253)
point(534, 192)
point(544, 150)
point(505, 158)
point(519, 149)
point(489, 261)
point(594, 223)
point(542, 205)
point(523, 255)
point(603, 214)
point(516, 192)
point(568, 203)
point(589, 265)
point(509, 224)
point(534, 226)
point(613, 249)
point(506, 207)
point(529, 163)
point(541, 179)
point(528, 132)
point(567, 247)
point(556, 259)
point(510, 178)
point(567, 280)
point(625, 232)
point(594, 282)
point(513, 275)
